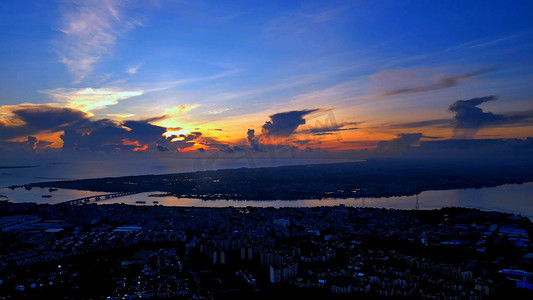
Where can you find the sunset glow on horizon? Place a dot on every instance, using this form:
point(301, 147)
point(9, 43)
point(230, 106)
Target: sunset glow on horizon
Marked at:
point(336, 76)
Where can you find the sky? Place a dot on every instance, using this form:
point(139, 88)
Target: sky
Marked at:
point(197, 77)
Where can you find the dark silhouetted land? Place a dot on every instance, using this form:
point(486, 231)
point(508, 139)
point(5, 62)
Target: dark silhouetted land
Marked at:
point(374, 178)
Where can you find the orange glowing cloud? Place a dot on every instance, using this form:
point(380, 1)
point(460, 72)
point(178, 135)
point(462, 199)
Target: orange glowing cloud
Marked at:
point(139, 146)
point(195, 147)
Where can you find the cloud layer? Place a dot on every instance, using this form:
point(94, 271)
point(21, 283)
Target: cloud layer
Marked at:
point(88, 99)
point(81, 132)
point(30, 119)
point(400, 143)
point(89, 31)
point(469, 118)
point(442, 82)
point(285, 123)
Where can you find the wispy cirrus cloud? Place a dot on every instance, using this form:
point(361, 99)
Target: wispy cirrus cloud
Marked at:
point(329, 129)
point(218, 111)
point(88, 99)
point(120, 116)
point(89, 30)
point(485, 43)
point(424, 84)
point(132, 70)
point(386, 84)
point(181, 109)
point(297, 22)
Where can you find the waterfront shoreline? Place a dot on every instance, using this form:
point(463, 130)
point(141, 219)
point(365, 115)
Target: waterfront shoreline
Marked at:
point(384, 178)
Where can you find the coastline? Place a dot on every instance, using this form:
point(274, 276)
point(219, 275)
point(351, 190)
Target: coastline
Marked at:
point(341, 181)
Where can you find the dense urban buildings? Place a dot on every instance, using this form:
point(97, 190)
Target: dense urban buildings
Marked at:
point(142, 252)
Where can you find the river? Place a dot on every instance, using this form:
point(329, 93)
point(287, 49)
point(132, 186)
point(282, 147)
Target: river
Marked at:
point(512, 198)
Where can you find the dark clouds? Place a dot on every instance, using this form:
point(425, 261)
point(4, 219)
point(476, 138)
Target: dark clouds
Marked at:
point(303, 142)
point(110, 135)
point(98, 135)
point(439, 123)
point(162, 148)
point(130, 135)
point(443, 83)
point(49, 117)
point(469, 118)
point(285, 123)
point(21, 127)
point(31, 143)
point(215, 144)
point(143, 131)
point(399, 144)
point(329, 129)
point(81, 132)
point(252, 141)
point(182, 141)
point(250, 144)
point(31, 119)
point(250, 134)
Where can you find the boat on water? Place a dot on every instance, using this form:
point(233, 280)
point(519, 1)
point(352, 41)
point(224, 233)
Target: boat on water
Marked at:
point(155, 202)
point(46, 196)
point(52, 190)
point(140, 202)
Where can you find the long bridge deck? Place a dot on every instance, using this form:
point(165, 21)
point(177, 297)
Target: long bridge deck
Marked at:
point(96, 198)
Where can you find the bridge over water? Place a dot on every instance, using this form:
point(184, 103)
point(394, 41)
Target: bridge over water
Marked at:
point(96, 198)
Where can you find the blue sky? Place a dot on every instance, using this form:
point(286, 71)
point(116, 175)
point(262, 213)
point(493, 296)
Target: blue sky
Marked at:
point(221, 68)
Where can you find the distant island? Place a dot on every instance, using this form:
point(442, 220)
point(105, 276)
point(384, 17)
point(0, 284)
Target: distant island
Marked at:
point(373, 178)
point(17, 167)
